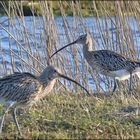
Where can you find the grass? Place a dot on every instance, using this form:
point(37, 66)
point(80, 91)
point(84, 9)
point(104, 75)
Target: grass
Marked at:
point(87, 8)
point(62, 116)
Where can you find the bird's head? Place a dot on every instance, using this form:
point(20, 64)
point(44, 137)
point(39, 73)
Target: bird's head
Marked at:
point(50, 73)
point(82, 39)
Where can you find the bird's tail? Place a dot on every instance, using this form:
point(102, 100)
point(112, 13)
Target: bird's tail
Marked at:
point(137, 68)
point(137, 64)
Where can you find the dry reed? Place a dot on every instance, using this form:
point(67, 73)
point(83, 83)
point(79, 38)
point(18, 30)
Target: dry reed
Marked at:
point(34, 43)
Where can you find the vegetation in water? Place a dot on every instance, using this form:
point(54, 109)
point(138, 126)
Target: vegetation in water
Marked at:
point(87, 8)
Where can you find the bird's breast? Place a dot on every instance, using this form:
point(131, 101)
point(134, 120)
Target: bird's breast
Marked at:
point(46, 89)
point(123, 74)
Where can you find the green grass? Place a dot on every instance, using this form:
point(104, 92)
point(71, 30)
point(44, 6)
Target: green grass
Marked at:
point(87, 8)
point(62, 116)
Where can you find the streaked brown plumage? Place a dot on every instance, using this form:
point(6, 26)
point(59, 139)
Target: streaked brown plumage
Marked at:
point(107, 62)
point(24, 89)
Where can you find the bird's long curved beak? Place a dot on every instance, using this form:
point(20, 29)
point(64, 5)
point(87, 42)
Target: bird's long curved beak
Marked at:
point(62, 49)
point(65, 77)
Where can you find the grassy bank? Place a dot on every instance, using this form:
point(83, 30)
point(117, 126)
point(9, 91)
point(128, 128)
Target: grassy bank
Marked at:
point(62, 116)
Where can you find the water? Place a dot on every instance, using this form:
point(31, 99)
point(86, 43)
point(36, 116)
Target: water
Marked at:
point(76, 27)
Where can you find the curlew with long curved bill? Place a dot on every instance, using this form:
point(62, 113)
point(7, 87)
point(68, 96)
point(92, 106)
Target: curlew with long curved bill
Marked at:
point(24, 89)
point(107, 62)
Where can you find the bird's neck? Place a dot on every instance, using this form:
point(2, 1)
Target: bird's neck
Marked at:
point(47, 84)
point(87, 48)
point(44, 80)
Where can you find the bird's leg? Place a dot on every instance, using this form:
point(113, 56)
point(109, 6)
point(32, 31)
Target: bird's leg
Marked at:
point(2, 119)
point(15, 120)
point(3, 116)
point(130, 84)
point(115, 85)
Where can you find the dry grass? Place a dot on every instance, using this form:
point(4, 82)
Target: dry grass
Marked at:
point(62, 116)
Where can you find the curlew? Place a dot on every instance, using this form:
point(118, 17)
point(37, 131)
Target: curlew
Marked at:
point(107, 62)
point(24, 89)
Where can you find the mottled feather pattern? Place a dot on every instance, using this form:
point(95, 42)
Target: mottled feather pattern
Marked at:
point(110, 61)
point(21, 90)
point(19, 87)
point(135, 64)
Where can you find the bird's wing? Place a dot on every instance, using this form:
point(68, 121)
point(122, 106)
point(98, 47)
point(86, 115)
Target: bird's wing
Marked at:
point(110, 60)
point(18, 87)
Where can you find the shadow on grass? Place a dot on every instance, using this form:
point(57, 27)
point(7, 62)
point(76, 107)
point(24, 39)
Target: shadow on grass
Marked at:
point(130, 109)
point(63, 125)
